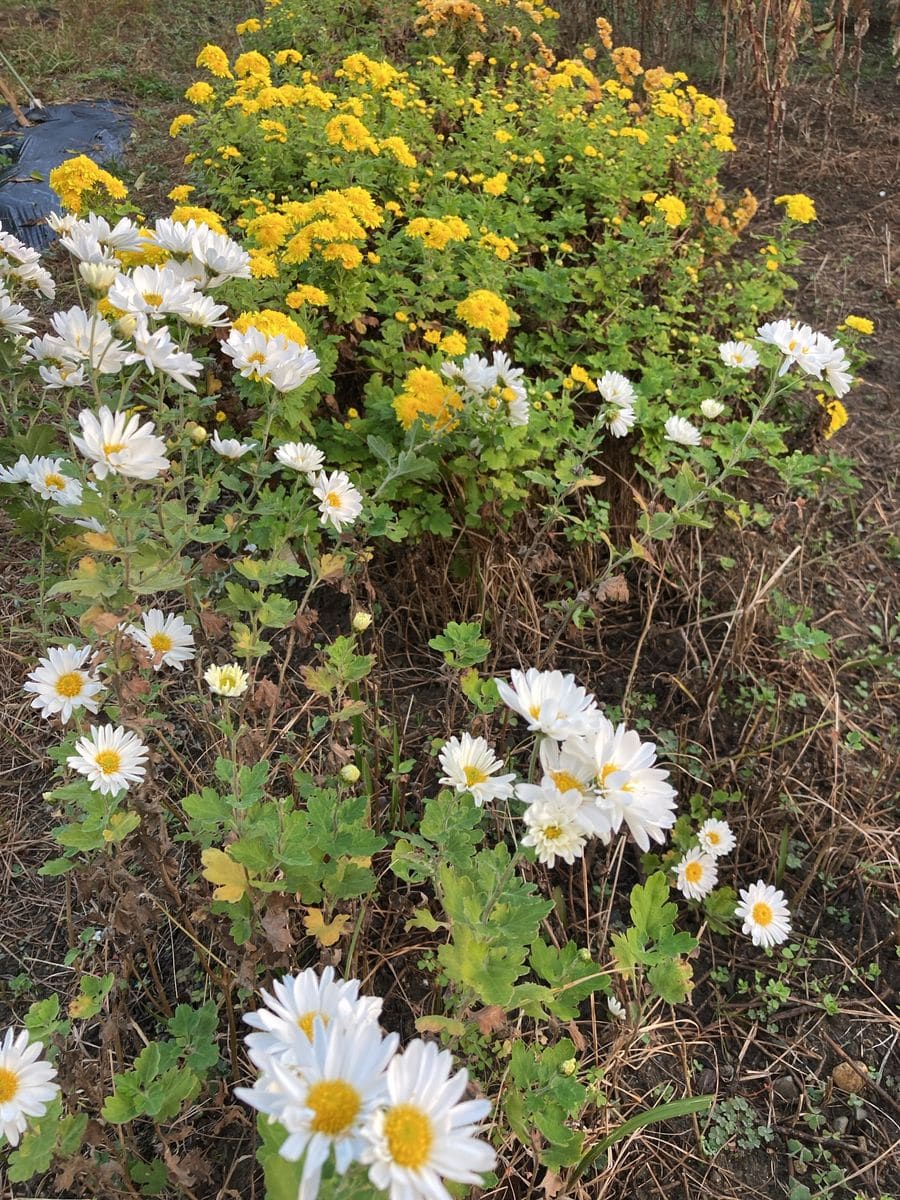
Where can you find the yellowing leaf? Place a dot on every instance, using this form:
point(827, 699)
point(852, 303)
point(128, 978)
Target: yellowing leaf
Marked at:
point(326, 935)
point(231, 878)
point(81, 1006)
point(98, 541)
point(331, 566)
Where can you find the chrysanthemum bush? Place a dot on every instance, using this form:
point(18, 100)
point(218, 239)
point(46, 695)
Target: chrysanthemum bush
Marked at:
point(174, 580)
point(517, 271)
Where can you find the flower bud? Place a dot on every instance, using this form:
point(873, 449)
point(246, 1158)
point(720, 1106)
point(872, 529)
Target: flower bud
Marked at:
point(126, 324)
point(361, 621)
point(711, 408)
point(569, 1067)
point(199, 434)
point(350, 773)
point(98, 276)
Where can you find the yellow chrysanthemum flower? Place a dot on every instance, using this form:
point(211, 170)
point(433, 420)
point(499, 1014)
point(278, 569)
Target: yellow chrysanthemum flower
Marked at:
point(485, 310)
point(196, 212)
point(426, 396)
point(270, 323)
point(215, 60)
point(78, 177)
point(200, 92)
point(306, 294)
point(860, 324)
point(672, 209)
point(798, 207)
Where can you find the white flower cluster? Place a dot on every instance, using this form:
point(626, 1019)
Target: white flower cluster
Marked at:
point(495, 386)
point(341, 1090)
point(340, 503)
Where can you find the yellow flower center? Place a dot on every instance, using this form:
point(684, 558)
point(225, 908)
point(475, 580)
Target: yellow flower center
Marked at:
point(552, 832)
point(333, 500)
point(70, 684)
point(257, 357)
point(762, 913)
point(335, 1105)
point(161, 642)
point(565, 782)
point(713, 838)
point(474, 776)
point(113, 447)
point(410, 1136)
point(739, 358)
point(152, 298)
point(693, 872)
point(609, 769)
point(228, 679)
point(54, 481)
point(9, 1085)
point(535, 711)
point(305, 1022)
point(109, 761)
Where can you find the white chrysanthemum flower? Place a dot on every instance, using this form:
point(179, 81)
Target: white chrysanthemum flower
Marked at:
point(47, 479)
point(557, 826)
point(230, 447)
point(797, 343)
point(159, 352)
point(475, 374)
point(765, 914)
point(712, 409)
point(274, 360)
point(176, 236)
point(83, 244)
point(325, 1100)
point(111, 758)
point(26, 1084)
point(230, 680)
point(340, 503)
point(169, 640)
point(124, 235)
point(98, 276)
point(550, 702)
point(630, 787)
point(617, 753)
point(152, 291)
point(222, 258)
point(740, 355)
point(616, 1008)
point(682, 432)
point(35, 277)
point(18, 472)
point(62, 223)
point(60, 683)
point(568, 766)
point(121, 445)
point(696, 874)
point(835, 365)
point(426, 1132)
point(83, 337)
point(14, 318)
point(510, 381)
point(468, 764)
point(202, 312)
point(618, 392)
point(296, 1003)
point(716, 837)
point(593, 819)
point(301, 456)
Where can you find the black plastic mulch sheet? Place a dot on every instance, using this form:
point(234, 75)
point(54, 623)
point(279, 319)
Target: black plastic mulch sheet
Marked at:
point(100, 129)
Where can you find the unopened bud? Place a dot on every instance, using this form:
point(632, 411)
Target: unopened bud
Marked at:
point(711, 408)
point(350, 773)
point(361, 621)
point(569, 1067)
point(98, 276)
point(199, 434)
point(126, 324)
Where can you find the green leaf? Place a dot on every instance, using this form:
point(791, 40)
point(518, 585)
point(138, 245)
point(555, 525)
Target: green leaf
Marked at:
point(652, 1116)
point(651, 912)
point(671, 979)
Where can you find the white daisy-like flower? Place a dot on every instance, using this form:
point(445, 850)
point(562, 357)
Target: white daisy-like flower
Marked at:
point(327, 1097)
point(274, 360)
point(157, 350)
point(98, 276)
point(300, 1003)
point(550, 702)
point(301, 456)
point(26, 1084)
point(47, 479)
point(740, 355)
point(616, 1008)
point(120, 445)
point(569, 767)
point(835, 365)
point(222, 258)
point(88, 338)
point(557, 827)
point(716, 837)
point(682, 432)
point(176, 236)
point(151, 291)
point(469, 765)
point(594, 820)
point(83, 244)
point(14, 318)
point(712, 408)
point(797, 343)
point(61, 684)
point(510, 381)
point(765, 914)
point(696, 874)
point(617, 753)
point(630, 788)
point(111, 758)
point(340, 502)
point(475, 374)
point(124, 235)
point(618, 392)
point(426, 1132)
point(230, 447)
point(18, 472)
point(230, 680)
point(168, 639)
point(202, 312)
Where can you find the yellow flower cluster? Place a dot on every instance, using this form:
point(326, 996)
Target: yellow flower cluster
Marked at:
point(437, 232)
point(331, 225)
point(837, 414)
point(307, 294)
point(503, 247)
point(442, 12)
point(861, 324)
point(740, 218)
point(271, 324)
point(79, 179)
point(798, 207)
point(215, 60)
point(350, 134)
point(672, 209)
point(485, 310)
point(426, 397)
